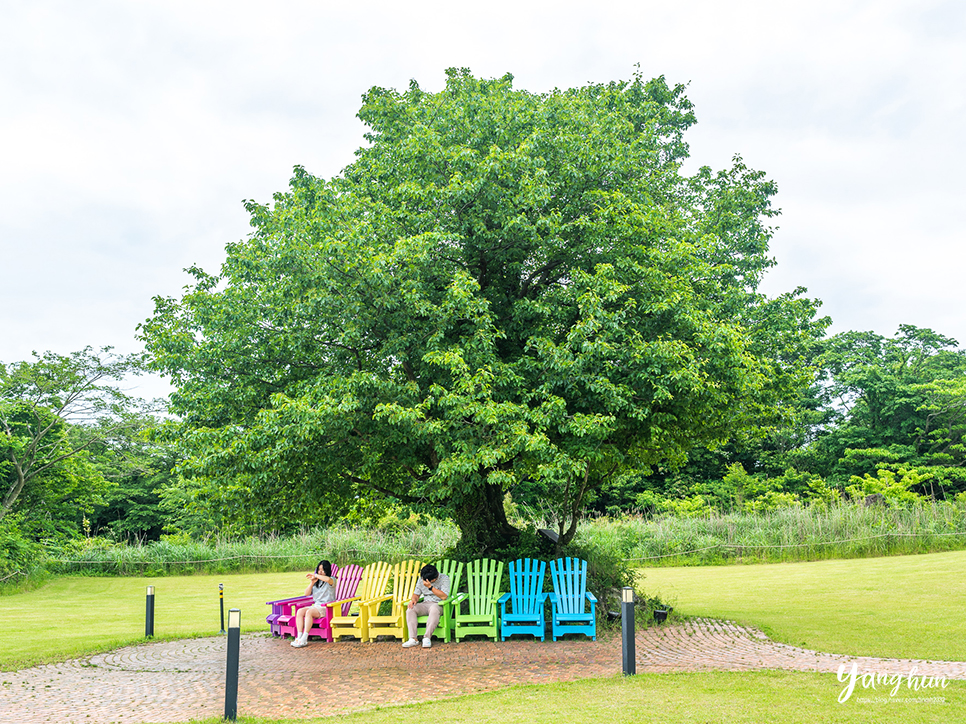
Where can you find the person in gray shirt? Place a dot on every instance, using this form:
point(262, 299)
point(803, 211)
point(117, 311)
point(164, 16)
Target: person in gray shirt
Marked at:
point(433, 588)
point(322, 590)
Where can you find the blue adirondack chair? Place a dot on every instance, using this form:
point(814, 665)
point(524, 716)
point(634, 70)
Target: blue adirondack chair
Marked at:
point(569, 599)
point(521, 610)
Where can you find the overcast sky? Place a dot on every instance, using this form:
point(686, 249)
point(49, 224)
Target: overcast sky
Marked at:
point(130, 133)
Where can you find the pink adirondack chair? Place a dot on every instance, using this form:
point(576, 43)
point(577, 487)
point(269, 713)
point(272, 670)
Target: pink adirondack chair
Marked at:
point(283, 611)
point(346, 585)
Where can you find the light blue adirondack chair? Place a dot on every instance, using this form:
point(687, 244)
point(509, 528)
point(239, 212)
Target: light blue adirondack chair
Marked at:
point(569, 599)
point(521, 610)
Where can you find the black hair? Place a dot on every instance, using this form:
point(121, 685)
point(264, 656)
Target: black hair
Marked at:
point(326, 569)
point(429, 572)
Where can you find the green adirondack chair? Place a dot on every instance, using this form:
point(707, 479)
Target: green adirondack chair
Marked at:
point(454, 571)
point(483, 577)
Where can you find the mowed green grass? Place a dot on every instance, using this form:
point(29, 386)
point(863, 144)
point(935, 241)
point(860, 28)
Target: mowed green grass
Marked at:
point(862, 598)
point(712, 698)
point(90, 615)
point(902, 606)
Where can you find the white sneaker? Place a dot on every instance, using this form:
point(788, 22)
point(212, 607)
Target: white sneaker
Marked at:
point(427, 643)
point(299, 643)
point(409, 644)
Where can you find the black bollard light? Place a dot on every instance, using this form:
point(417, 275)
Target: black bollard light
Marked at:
point(221, 600)
point(627, 630)
point(231, 673)
point(149, 613)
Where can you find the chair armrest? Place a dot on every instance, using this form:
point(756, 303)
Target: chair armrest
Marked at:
point(333, 604)
point(504, 598)
point(375, 601)
point(591, 597)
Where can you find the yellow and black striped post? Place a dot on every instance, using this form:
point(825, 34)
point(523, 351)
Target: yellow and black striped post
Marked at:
point(221, 601)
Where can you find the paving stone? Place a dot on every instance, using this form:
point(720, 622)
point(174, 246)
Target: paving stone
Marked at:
point(182, 680)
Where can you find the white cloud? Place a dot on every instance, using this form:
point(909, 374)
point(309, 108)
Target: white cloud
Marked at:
point(131, 132)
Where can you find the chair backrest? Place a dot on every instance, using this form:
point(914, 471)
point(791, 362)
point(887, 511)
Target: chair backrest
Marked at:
point(347, 584)
point(405, 576)
point(375, 580)
point(526, 584)
point(483, 579)
point(452, 570)
point(569, 576)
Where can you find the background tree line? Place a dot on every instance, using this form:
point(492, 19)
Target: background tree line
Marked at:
point(883, 415)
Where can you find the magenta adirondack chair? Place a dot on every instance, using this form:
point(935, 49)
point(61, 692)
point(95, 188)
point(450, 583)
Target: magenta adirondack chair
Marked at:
point(284, 610)
point(346, 585)
point(281, 620)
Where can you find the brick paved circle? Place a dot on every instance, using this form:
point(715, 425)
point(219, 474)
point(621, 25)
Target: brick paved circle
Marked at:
point(182, 680)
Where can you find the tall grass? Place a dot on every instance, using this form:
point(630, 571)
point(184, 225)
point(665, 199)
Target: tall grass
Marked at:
point(842, 530)
point(178, 555)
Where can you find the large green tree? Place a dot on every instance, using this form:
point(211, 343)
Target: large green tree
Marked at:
point(504, 288)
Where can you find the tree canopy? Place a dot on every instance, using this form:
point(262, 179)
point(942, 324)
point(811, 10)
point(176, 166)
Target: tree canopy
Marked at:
point(53, 411)
point(505, 288)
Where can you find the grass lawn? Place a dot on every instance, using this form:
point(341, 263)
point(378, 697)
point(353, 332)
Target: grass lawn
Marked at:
point(100, 614)
point(719, 698)
point(902, 606)
point(907, 606)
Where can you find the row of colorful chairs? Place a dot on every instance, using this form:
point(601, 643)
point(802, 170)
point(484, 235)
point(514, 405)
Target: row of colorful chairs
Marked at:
point(481, 609)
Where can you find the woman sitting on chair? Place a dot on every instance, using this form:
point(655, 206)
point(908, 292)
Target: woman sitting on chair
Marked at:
point(322, 590)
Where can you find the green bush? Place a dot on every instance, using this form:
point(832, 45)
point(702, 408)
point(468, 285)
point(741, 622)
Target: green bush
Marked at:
point(18, 554)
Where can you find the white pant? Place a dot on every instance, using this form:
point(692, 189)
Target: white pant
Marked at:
point(433, 610)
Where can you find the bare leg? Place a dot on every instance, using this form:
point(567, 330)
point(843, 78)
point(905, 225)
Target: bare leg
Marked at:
point(311, 614)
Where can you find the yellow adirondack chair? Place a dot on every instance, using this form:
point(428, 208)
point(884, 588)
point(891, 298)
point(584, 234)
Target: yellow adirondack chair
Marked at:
point(375, 581)
point(405, 576)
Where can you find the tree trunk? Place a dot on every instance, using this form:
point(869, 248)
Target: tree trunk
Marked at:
point(482, 521)
point(13, 492)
